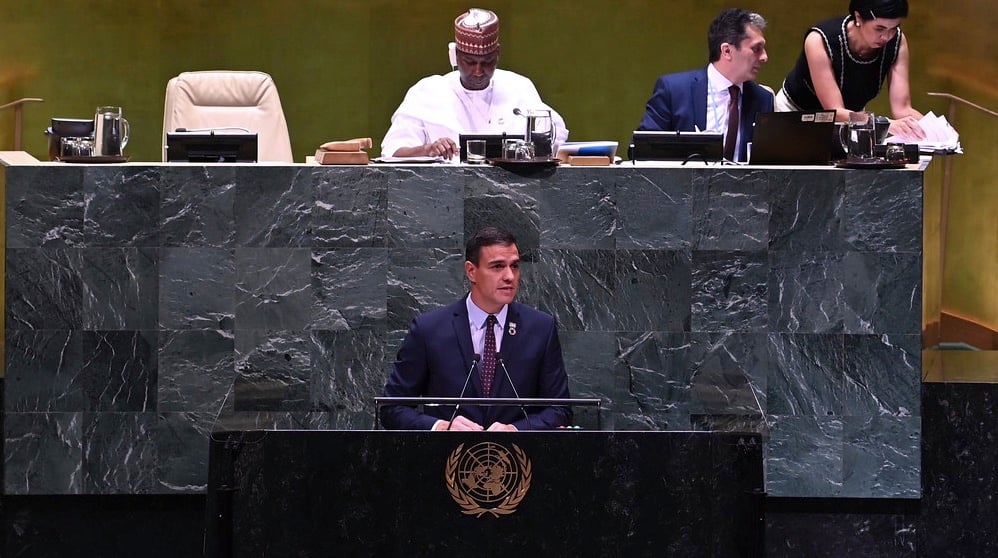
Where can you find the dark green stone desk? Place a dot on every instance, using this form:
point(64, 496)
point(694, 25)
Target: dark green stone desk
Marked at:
point(149, 304)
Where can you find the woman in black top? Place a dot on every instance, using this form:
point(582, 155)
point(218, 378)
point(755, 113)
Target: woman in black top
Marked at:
point(845, 62)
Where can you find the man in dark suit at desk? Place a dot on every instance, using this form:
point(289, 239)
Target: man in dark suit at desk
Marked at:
point(720, 97)
point(476, 342)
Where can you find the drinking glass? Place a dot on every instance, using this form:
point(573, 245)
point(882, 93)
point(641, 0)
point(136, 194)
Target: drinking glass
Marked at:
point(476, 151)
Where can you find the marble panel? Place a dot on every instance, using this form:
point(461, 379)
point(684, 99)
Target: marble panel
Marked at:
point(273, 371)
point(492, 200)
point(881, 457)
point(654, 377)
point(420, 280)
point(121, 207)
point(729, 373)
point(877, 212)
point(43, 371)
point(346, 370)
point(423, 209)
point(273, 288)
point(43, 453)
point(808, 375)
point(119, 371)
point(196, 288)
point(730, 291)
point(351, 210)
point(883, 375)
point(881, 292)
point(197, 207)
point(144, 453)
point(43, 288)
point(581, 210)
point(651, 291)
point(804, 290)
point(120, 288)
point(804, 456)
point(349, 288)
point(806, 211)
point(578, 287)
point(590, 361)
point(730, 210)
point(196, 370)
point(654, 208)
point(273, 207)
point(44, 207)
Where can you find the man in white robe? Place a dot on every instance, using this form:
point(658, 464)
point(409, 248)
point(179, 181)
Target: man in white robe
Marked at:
point(477, 98)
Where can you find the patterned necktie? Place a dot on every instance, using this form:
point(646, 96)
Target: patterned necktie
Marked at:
point(732, 136)
point(489, 355)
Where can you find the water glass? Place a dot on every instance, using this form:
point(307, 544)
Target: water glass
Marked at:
point(475, 148)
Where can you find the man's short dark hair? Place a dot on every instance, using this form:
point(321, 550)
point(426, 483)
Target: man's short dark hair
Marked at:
point(731, 26)
point(487, 236)
point(872, 9)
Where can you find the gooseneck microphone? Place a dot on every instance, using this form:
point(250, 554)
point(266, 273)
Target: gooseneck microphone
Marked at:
point(474, 364)
point(502, 363)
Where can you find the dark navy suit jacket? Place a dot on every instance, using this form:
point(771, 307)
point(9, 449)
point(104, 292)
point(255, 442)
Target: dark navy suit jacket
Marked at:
point(437, 353)
point(679, 102)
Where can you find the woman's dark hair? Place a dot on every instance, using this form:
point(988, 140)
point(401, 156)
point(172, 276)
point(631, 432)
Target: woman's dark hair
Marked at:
point(488, 236)
point(730, 27)
point(872, 9)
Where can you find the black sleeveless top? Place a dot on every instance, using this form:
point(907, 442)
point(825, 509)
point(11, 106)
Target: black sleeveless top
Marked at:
point(858, 80)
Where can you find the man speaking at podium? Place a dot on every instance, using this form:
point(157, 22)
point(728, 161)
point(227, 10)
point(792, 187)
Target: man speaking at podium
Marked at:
point(484, 345)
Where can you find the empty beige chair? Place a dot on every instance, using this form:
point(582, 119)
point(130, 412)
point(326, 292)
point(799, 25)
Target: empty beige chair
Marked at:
point(222, 99)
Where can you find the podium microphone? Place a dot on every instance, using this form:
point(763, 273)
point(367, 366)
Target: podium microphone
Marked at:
point(474, 364)
point(512, 385)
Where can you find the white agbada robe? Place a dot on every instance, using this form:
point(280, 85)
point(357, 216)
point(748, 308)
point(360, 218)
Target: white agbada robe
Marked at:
point(439, 106)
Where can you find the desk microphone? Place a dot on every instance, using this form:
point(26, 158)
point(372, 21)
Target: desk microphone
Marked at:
point(474, 364)
point(512, 385)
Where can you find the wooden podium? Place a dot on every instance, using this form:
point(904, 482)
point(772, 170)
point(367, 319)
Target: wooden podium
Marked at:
point(555, 493)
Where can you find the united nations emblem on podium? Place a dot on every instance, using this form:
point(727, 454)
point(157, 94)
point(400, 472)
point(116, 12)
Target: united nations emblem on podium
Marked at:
point(487, 478)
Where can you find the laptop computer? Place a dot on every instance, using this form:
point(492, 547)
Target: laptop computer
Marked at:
point(210, 147)
point(647, 145)
point(793, 138)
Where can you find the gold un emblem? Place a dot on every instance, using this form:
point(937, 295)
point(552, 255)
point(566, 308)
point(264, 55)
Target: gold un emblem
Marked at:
point(487, 478)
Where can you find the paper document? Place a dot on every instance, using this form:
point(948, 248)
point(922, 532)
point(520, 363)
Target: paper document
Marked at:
point(409, 160)
point(940, 136)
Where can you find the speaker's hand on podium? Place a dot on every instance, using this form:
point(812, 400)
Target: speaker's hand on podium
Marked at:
point(459, 423)
point(500, 427)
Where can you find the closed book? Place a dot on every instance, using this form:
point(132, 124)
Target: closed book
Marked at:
point(341, 157)
point(347, 145)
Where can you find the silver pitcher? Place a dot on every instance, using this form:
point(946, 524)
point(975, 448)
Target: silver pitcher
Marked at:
point(541, 131)
point(110, 132)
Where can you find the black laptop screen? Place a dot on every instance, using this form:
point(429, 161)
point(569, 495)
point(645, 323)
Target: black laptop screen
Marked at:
point(208, 147)
point(793, 138)
point(676, 146)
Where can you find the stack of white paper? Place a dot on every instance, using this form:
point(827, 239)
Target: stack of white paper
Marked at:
point(939, 135)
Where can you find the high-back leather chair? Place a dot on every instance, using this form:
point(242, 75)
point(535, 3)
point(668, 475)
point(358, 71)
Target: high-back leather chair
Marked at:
point(220, 99)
